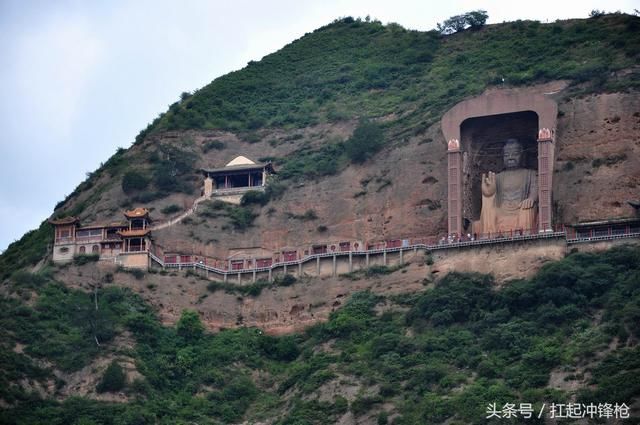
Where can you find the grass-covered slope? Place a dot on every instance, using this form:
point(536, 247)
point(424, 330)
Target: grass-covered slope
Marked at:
point(443, 354)
point(351, 68)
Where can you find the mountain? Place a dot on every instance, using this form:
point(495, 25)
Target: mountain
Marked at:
point(349, 116)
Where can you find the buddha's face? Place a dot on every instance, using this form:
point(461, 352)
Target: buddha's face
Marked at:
point(512, 155)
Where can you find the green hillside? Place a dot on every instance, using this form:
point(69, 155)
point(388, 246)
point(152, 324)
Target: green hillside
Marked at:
point(441, 355)
point(351, 68)
point(455, 349)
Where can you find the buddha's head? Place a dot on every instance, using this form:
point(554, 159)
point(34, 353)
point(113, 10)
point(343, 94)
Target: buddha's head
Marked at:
point(512, 156)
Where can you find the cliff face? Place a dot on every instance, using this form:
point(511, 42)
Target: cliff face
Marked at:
point(597, 162)
point(401, 191)
point(394, 351)
point(299, 105)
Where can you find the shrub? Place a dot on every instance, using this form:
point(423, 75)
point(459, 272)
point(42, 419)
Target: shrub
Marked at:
point(383, 418)
point(114, 379)
point(286, 280)
point(428, 259)
point(171, 209)
point(362, 405)
point(308, 164)
point(134, 181)
point(282, 349)
point(241, 217)
point(172, 165)
point(25, 279)
point(254, 197)
point(146, 197)
point(30, 249)
point(367, 139)
point(379, 270)
point(213, 144)
point(137, 273)
point(609, 161)
point(189, 327)
point(308, 215)
point(214, 286)
point(254, 289)
point(275, 189)
point(82, 259)
point(455, 299)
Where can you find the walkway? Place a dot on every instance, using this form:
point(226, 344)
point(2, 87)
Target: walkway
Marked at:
point(224, 273)
point(180, 217)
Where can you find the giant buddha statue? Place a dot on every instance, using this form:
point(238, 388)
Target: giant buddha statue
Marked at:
point(509, 197)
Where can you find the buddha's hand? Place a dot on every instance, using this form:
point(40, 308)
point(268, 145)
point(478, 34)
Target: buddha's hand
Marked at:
point(489, 184)
point(526, 204)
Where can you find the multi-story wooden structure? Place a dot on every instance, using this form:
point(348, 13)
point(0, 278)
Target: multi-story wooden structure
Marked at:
point(118, 242)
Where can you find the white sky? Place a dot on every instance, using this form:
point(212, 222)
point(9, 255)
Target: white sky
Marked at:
point(80, 79)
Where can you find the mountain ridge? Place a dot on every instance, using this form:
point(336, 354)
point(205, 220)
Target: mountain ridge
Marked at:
point(384, 345)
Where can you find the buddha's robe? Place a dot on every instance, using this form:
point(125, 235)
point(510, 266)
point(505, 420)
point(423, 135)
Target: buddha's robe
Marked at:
point(502, 211)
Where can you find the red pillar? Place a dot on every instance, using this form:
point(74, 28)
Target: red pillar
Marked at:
point(545, 174)
point(454, 186)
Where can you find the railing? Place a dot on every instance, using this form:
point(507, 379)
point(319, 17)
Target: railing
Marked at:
point(415, 244)
point(232, 190)
point(608, 237)
point(311, 257)
point(88, 239)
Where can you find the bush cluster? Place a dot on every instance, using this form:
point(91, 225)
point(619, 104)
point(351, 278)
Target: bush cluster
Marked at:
point(82, 259)
point(134, 181)
point(448, 351)
point(367, 139)
point(113, 379)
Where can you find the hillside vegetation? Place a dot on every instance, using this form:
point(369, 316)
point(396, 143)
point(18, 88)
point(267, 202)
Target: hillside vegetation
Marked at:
point(446, 353)
point(353, 69)
point(569, 333)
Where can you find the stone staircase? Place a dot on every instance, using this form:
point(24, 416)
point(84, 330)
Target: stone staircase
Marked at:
point(179, 218)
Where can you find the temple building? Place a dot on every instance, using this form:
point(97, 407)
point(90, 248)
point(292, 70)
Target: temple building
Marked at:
point(117, 242)
point(136, 237)
point(239, 176)
point(70, 239)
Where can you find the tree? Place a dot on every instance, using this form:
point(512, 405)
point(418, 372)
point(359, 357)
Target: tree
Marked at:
point(113, 379)
point(189, 326)
point(366, 140)
point(134, 181)
point(474, 20)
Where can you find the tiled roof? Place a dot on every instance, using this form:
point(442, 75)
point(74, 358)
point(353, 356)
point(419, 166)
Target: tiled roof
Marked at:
point(64, 220)
point(137, 213)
